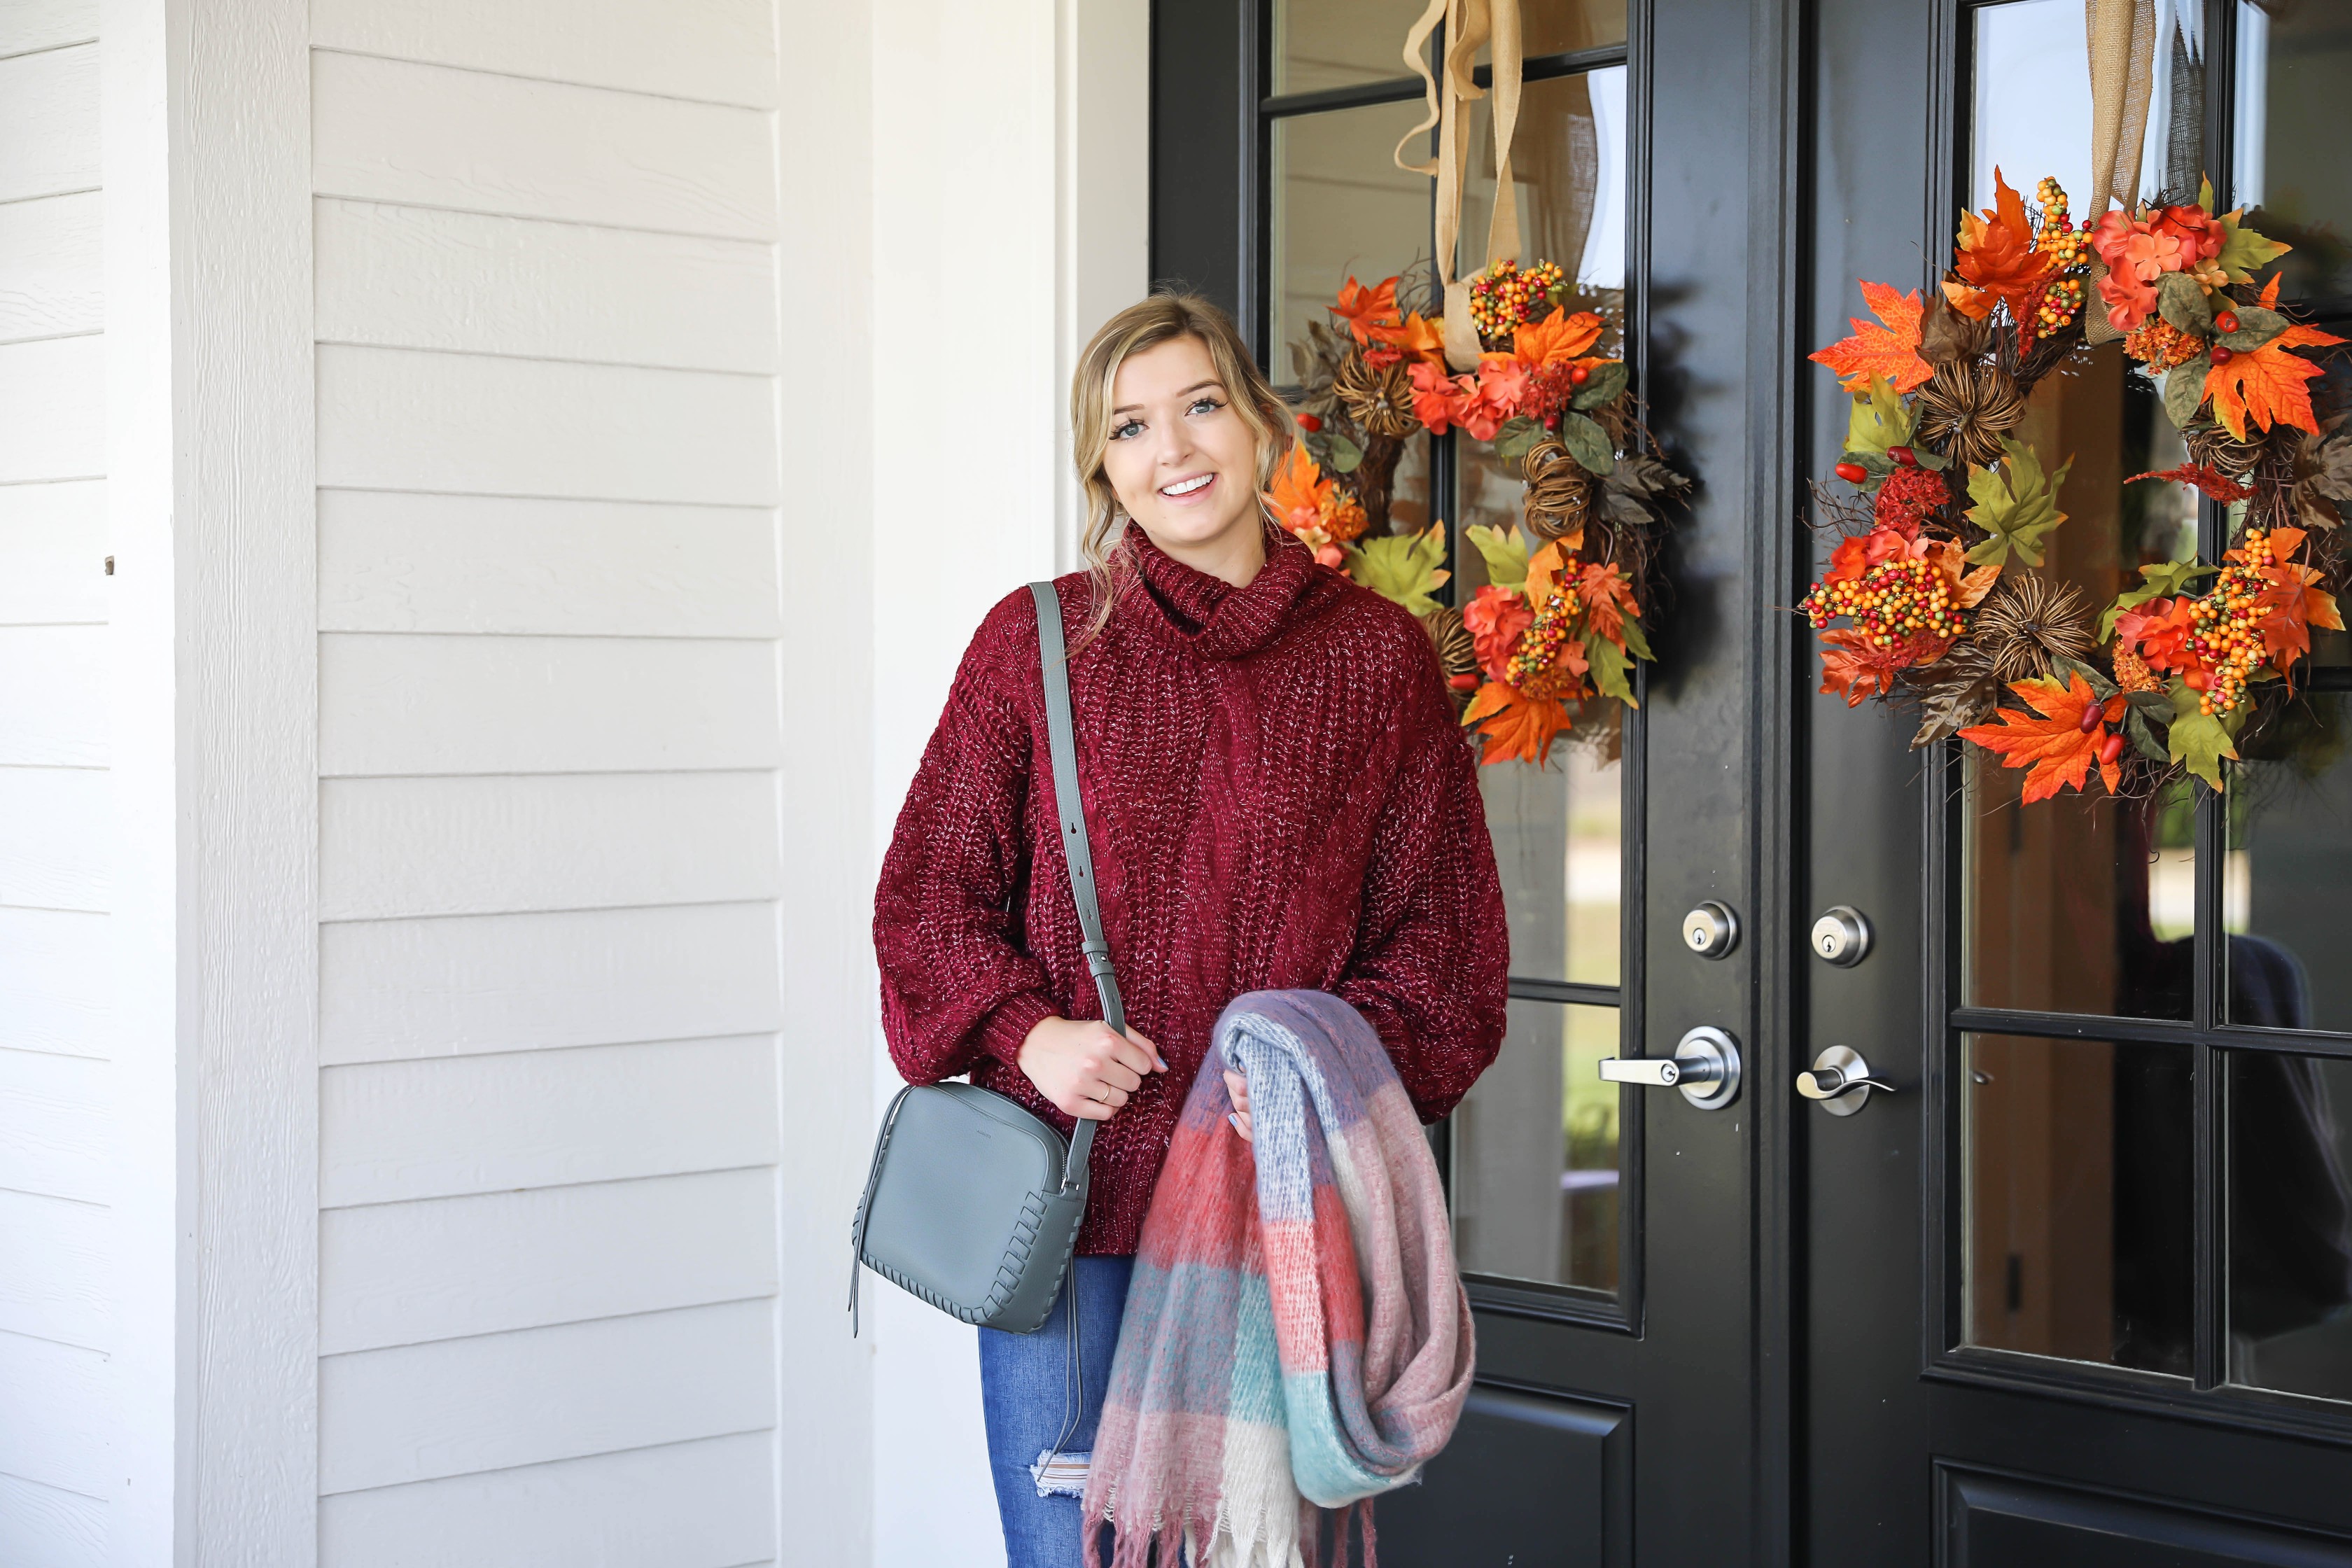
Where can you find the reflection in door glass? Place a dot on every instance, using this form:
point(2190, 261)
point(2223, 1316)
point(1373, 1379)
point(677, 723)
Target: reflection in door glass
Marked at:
point(2032, 107)
point(1322, 43)
point(2076, 1200)
point(2082, 904)
point(1535, 1153)
point(2294, 70)
point(1558, 834)
point(2291, 1223)
point(2290, 861)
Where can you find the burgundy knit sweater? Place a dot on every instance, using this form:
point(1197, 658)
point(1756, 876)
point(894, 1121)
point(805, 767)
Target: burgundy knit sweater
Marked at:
point(1278, 795)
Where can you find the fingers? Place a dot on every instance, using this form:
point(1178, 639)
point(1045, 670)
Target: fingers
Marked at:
point(1241, 1121)
point(1139, 1053)
point(1118, 1074)
point(1238, 1091)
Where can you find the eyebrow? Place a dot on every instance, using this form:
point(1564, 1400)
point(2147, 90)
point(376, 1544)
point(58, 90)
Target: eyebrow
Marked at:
point(1132, 407)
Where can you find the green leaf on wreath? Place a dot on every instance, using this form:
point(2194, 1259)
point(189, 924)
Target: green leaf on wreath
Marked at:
point(2256, 326)
point(1346, 456)
point(1512, 441)
point(2142, 738)
point(2165, 579)
point(2017, 512)
point(2184, 392)
point(1879, 421)
point(2181, 300)
point(1505, 554)
point(1402, 567)
point(1637, 641)
point(1586, 443)
point(2243, 250)
point(2198, 739)
point(1606, 384)
point(1609, 666)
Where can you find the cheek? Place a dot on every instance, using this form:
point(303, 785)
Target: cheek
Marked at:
point(1128, 469)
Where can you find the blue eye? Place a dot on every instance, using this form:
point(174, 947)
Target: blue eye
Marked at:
point(1122, 432)
point(1210, 404)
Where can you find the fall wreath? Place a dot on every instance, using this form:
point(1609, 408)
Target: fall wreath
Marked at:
point(1931, 597)
point(1559, 620)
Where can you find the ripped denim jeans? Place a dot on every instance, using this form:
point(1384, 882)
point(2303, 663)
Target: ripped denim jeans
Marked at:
point(1029, 1397)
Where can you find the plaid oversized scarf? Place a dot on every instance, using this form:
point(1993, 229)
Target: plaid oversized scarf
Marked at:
point(1308, 1350)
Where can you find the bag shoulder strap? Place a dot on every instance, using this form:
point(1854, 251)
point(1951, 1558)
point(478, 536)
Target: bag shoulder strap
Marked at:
point(1071, 805)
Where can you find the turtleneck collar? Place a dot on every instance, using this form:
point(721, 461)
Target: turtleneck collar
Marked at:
point(1198, 610)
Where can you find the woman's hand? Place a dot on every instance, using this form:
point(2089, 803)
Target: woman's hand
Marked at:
point(1238, 1087)
point(1084, 1067)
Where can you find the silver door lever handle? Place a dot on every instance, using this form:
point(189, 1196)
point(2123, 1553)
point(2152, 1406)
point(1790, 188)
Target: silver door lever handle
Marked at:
point(1840, 1080)
point(1828, 1083)
point(1705, 1066)
point(1651, 1072)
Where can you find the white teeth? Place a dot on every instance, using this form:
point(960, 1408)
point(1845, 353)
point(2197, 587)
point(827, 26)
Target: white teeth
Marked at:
point(1188, 487)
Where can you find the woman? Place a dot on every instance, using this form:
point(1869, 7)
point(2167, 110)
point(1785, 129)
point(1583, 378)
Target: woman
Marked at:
point(1276, 793)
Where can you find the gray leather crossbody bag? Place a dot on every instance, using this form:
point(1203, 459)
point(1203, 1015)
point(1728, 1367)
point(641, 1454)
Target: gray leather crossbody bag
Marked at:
point(972, 1204)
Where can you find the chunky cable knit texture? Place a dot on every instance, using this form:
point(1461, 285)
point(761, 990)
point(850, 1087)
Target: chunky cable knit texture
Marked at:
point(1278, 797)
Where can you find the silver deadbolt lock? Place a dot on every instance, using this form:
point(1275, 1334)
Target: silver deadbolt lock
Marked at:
point(1711, 930)
point(1841, 936)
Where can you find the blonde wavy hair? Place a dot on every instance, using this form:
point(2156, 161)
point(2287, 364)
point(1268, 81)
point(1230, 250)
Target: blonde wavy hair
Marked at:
point(1143, 325)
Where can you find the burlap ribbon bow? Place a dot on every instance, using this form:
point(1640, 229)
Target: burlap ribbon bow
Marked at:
point(1469, 23)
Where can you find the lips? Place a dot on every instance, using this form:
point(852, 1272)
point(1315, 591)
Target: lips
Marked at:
point(1185, 487)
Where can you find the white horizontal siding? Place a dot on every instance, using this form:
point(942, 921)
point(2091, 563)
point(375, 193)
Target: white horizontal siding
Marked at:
point(454, 1125)
point(49, 122)
point(422, 135)
point(402, 563)
point(399, 419)
point(403, 276)
point(44, 1527)
point(454, 1406)
point(423, 705)
point(54, 1270)
point(29, 25)
point(391, 990)
point(54, 833)
point(52, 405)
point(70, 1394)
point(53, 982)
point(441, 1269)
point(705, 1504)
point(50, 284)
point(53, 539)
point(478, 845)
point(720, 50)
point(53, 1127)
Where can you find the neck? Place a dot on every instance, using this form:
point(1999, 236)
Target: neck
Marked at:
point(1234, 556)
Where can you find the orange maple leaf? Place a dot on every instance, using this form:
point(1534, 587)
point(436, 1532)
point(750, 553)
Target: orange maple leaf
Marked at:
point(1304, 501)
point(2052, 740)
point(2267, 383)
point(1517, 727)
point(1854, 663)
point(1544, 568)
point(1607, 600)
point(1364, 309)
point(1996, 255)
point(1563, 335)
point(2295, 601)
point(1415, 338)
point(1891, 351)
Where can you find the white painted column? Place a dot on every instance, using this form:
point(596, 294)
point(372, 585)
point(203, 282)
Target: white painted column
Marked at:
point(208, 226)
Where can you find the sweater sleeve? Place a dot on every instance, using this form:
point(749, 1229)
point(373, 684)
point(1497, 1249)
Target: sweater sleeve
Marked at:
point(955, 982)
point(1430, 969)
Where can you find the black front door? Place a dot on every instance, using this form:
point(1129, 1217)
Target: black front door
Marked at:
point(2074, 1291)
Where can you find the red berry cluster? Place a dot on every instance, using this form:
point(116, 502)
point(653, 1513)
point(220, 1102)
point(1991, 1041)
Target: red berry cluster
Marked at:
point(1899, 597)
point(1907, 498)
point(1505, 296)
point(1532, 668)
point(2229, 636)
point(1550, 390)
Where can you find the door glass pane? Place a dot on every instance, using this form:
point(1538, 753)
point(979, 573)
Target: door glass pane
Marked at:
point(2076, 1197)
point(1535, 1153)
point(2288, 870)
point(1556, 26)
point(2291, 1223)
point(1558, 834)
point(2031, 109)
point(2294, 70)
point(1320, 44)
point(2082, 904)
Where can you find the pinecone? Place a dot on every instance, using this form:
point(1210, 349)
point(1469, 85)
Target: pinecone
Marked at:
point(1560, 491)
point(1966, 409)
point(2131, 672)
point(1380, 401)
point(1457, 652)
point(2030, 620)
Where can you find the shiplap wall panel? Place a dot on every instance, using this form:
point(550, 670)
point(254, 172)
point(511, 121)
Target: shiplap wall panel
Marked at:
point(54, 1283)
point(704, 1504)
point(389, 561)
point(395, 990)
point(422, 135)
point(444, 1268)
point(53, 539)
point(402, 276)
point(452, 1125)
point(433, 704)
point(54, 976)
point(53, 709)
point(48, 123)
point(70, 1446)
point(478, 846)
point(722, 51)
point(54, 848)
point(29, 25)
point(403, 419)
point(49, 267)
point(53, 1127)
point(52, 405)
point(421, 1412)
point(46, 1527)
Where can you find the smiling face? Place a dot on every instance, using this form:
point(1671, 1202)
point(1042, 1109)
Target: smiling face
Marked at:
point(1182, 462)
